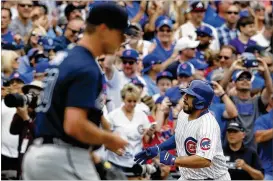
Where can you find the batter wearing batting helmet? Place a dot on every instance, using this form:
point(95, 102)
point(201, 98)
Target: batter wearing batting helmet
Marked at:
point(70, 108)
point(196, 139)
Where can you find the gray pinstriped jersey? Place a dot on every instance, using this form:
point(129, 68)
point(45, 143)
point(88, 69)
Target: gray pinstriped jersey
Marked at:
point(200, 137)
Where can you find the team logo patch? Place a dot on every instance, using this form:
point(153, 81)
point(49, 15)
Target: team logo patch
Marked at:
point(140, 129)
point(190, 146)
point(205, 144)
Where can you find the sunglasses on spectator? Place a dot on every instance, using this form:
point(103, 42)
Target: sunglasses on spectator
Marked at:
point(164, 30)
point(244, 77)
point(75, 31)
point(232, 131)
point(233, 12)
point(224, 57)
point(127, 61)
point(101, 59)
point(25, 5)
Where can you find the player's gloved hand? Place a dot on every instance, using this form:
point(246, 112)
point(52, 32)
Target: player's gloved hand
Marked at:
point(166, 158)
point(146, 154)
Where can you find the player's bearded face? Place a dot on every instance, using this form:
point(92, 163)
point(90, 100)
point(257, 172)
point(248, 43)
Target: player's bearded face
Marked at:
point(188, 106)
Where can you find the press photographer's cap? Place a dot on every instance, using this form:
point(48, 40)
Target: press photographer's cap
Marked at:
point(235, 126)
point(112, 15)
point(237, 74)
point(36, 84)
point(185, 68)
point(130, 54)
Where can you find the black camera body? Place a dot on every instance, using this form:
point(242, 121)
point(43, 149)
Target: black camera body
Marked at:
point(18, 100)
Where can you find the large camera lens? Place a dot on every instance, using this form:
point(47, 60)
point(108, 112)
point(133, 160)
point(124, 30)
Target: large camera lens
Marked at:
point(14, 100)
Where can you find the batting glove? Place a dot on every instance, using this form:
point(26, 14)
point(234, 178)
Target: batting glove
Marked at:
point(146, 154)
point(166, 158)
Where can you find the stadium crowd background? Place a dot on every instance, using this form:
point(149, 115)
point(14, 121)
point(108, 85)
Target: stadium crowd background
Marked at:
point(226, 42)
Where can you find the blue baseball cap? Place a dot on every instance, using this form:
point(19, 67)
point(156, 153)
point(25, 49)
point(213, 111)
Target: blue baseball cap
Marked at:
point(174, 94)
point(148, 61)
point(255, 48)
point(41, 67)
point(47, 43)
point(136, 81)
point(130, 54)
point(198, 64)
point(18, 76)
point(185, 68)
point(236, 74)
point(165, 22)
point(164, 74)
point(204, 30)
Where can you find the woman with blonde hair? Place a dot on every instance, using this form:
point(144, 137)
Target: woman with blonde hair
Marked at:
point(9, 63)
point(131, 124)
point(32, 40)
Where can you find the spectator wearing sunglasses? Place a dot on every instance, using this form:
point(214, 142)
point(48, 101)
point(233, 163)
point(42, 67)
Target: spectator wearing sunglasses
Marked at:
point(249, 108)
point(71, 34)
point(228, 31)
point(22, 24)
point(117, 79)
point(164, 45)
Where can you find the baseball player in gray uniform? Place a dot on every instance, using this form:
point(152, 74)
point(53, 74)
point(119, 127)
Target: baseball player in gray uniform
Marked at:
point(196, 139)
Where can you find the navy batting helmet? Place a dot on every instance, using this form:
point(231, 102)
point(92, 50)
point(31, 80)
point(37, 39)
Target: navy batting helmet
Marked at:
point(202, 91)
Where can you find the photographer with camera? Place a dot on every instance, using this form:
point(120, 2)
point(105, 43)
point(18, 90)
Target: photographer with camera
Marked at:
point(249, 108)
point(9, 154)
point(23, 120)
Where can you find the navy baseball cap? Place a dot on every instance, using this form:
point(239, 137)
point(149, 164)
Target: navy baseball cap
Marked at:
point(185, 68)
point(248, 56)
point(18, 76)
point(204, 30)
point(174, 94)
point(112, 15)
point(198, 64)
point(197, 6)
point(255, 48)
point(237, 74)
point(130, 54)
point(136, 81)
point(47, 43)
point(164, 74)
point(148, 61)
point(235, 126)
point(165, 22)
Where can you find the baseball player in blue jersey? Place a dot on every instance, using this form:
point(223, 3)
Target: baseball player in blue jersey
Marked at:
point(69, 111)
point(196, 139)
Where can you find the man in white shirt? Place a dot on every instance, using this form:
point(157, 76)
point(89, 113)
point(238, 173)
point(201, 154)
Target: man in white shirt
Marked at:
point(116, 79)
point(197, 11)
point(263, 38)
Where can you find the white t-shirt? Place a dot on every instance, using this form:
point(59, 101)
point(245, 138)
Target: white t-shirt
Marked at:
point(132, 131)
point(261, 40)
point(9, 141)
point(188, 29)
point(115, 85)
point(145, 47)
point(200, 137)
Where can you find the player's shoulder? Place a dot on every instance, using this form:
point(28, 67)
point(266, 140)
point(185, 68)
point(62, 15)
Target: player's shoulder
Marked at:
point(208, 119)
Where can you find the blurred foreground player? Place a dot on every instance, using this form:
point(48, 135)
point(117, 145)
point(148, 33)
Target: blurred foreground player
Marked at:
point(69, 112)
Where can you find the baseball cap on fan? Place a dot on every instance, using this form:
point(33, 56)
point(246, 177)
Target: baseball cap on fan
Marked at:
point(184, 43)
point(112, 15)
point(197, 6)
